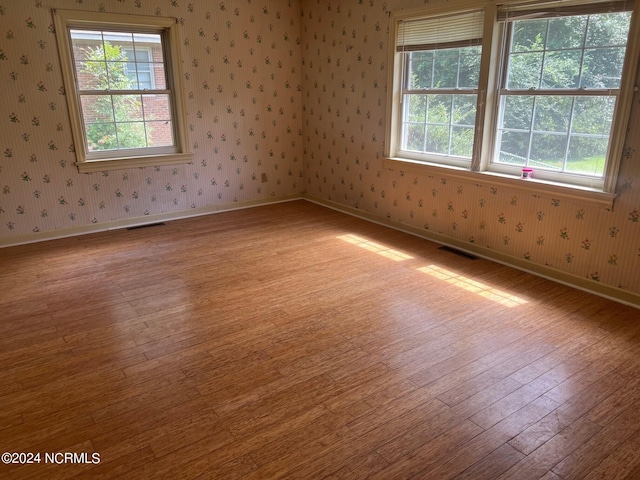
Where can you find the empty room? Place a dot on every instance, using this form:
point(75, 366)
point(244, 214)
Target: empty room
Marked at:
point(316, 239)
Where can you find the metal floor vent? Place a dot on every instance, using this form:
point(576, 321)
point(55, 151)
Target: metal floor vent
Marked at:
point(457, 252)
point(146, 226)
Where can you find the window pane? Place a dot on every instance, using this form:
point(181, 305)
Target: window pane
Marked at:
point(84, 40)
point(135, 69)
point(529, 35)
point(91, 75)
point(561, 69)
point(518, 112)
point(117, 76)
point(462, 141)
point(157, 114)
point(159, 134)
point(145, 41)
point(101, 136)
point(96, 108)
point(159, 79)
point(469, 67)
point(414, 138)
point(416, 106)
point(562, 40)
point(552, 113)
point(587, 155)
point(420, 70)
point(602, 67)
point(514, 148)
point(439, 109)
point(127, 107)
point(131, 135)
point(438, 139)
point(445, 70)
point(593, 115)
point(566, 32)
point(156, 107)
point(464, 110)
point(608, 29)
point(547, 151)
point(144, 79)
point(442, 124)
point(524, 70)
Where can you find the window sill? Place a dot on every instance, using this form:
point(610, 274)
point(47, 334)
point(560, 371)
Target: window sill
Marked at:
point(571, 193)
point(123, 163)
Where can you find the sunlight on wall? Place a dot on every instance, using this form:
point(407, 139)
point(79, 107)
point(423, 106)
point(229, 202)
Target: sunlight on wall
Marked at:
point(469, 285)
point(375, 247)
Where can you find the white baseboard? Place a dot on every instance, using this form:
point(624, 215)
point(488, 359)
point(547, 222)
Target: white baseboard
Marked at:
point(553, 274)
point(139, 221)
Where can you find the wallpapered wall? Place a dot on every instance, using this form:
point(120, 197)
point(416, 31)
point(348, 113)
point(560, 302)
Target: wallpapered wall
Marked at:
point(344, 55)
point(241, 63)
point(262, 79)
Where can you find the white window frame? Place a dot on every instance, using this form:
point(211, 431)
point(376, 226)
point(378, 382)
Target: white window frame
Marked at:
point(86, 161)
point(481, 168)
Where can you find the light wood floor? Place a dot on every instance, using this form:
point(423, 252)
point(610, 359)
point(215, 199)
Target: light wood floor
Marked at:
point(291, 341)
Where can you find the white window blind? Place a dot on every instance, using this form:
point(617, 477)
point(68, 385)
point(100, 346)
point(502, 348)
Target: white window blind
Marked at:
point(446, 31)
point(559, 8)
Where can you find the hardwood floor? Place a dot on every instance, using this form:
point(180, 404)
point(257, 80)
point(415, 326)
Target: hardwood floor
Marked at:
point(291, 341)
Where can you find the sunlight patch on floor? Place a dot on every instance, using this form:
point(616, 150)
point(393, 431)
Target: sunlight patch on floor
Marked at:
point(386, 252)
point(486, 291)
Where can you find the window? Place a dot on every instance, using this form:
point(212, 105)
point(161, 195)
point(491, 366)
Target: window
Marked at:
point(440, 86)
point(123, 89)
point(544, 86)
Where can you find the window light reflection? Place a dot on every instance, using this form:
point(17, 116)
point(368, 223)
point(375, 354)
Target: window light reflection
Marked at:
point(473, 286)
point(375, 247)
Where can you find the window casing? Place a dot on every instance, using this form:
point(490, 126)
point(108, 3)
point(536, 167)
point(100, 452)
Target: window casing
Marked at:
point(511, 128)
point(122, 79)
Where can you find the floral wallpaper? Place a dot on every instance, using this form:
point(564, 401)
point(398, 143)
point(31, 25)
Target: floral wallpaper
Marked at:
point(283, 97)
point(344, 55)
point(241, 65)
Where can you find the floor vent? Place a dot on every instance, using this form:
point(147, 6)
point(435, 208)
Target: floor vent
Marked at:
point(146, 226)
point(458, 252)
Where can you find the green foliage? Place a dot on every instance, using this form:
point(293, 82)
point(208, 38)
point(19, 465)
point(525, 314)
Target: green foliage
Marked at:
point(113, 122)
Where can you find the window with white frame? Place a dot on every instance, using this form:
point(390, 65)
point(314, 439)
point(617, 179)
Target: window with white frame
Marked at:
point(123, 89)
point(440, 69)
point(524, 85)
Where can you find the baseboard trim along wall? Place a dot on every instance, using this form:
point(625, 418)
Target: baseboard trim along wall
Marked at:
point(140, 221)
point(564, 278)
